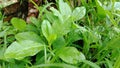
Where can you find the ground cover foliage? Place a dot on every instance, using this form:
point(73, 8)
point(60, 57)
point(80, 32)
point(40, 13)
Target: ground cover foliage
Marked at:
point(75, 34)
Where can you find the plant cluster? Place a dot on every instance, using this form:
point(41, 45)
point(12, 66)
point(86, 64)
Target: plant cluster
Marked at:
point(86, 36)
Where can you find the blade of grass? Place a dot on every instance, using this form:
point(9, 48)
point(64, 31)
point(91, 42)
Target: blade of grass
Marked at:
point(117, 62)
point(58, 65)
point(91, 64)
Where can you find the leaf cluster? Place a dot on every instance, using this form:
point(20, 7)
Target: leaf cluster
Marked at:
point(64, 37)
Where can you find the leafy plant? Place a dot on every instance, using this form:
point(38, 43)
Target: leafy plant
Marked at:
point(64, 37)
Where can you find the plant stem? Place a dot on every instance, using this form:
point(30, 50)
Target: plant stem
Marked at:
point(45, 53)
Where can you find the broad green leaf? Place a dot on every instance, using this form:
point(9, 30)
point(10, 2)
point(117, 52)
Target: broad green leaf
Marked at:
point(35, 22)
point(59, 42)
point(71, 55)
point(74, 35)
point(18, 23)
point(78, 13)
point(62, 28)
point(51, 17)
point(100, 10)
point(32, 28)
point(22, 49)
point(48, 31)
point(57, 13)
point(64, 8)
point(28, 36)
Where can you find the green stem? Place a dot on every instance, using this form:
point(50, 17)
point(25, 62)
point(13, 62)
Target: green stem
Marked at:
point(45, 53)
point(34, 4)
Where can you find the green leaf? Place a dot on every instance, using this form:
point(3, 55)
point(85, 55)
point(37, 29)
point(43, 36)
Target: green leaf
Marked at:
point(59, 42)
point(2, 53)
point(117, 62)
point(48, 31)
point(28, 36)
point(64, 8)
point(74, 35)
point(35, 22)
point(57, 13)
point(100, 10)
point(109, 63)
point(51, 17)
point(78, 13)
point(71, 55)
point(91, 64)
point(22, 49)
point(54, 65)
point(2, 33)
point(19, 24)
point(115, 42)
point(62, 28)
point(31, 27)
